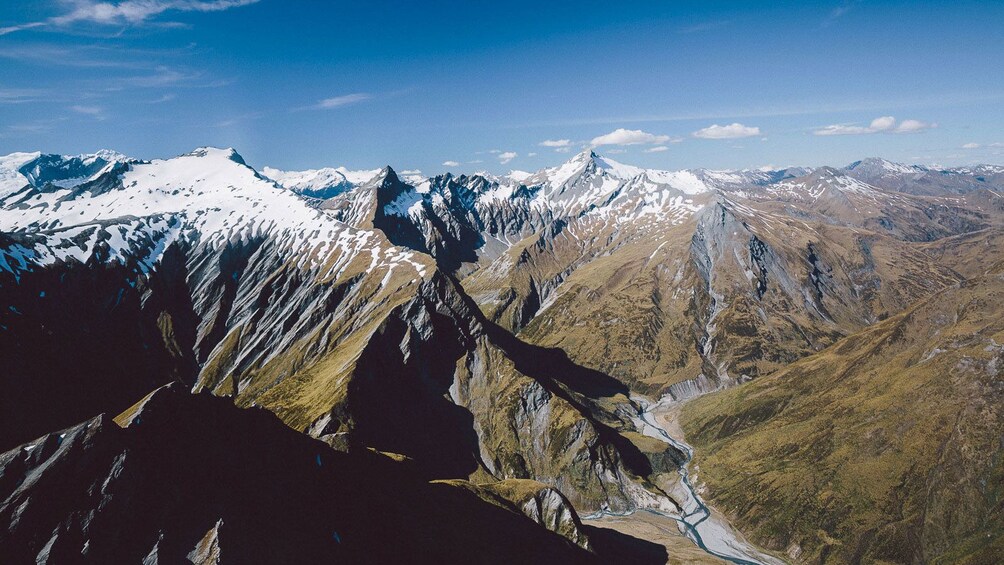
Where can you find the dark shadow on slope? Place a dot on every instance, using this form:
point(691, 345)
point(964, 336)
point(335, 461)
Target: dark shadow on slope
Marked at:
point(558, 374)
point(77, 340)
point(450, 240)
point(398, 397)
point(624, 548)
point(573, 383)
point(191, 464)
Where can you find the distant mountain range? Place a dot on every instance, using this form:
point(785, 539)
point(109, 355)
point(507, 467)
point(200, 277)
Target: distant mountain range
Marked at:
point(499, 333)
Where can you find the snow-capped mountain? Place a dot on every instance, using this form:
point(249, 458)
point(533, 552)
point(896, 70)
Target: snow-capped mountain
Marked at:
point(20, 169)
point(319, 183)
point(490, 326)
point(136, 210)
point(199, 269)
point(930, 181)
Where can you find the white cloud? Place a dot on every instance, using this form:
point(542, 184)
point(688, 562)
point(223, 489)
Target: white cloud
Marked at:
point(556, 143)
point(451, 164)
point(884, 124)
point(507, 156)
point(731, 131)
point(839, 129)
point(914, 126)
point(133, 12)
point(615, 151)
point(411, 172)
point(621, 136)
point(971, 146)
point(344, 100)
point(563, 150)
point(657, 149)
point(531, 154)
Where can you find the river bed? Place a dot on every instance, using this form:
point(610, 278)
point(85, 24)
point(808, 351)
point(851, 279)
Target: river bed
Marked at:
point(704, 528)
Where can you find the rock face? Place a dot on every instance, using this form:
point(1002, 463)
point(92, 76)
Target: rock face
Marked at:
point(192, 477)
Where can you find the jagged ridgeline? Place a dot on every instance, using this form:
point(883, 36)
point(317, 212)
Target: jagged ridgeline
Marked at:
point(483, 327)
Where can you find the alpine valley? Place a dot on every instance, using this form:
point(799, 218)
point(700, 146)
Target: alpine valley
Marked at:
point(203, 362)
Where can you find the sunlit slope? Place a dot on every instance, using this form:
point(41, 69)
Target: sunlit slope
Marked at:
point(886, 446)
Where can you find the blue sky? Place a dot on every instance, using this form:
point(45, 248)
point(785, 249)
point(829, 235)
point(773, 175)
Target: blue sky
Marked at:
point(499, 85)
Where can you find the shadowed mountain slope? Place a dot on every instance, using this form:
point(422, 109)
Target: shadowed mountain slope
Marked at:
point(193, 478)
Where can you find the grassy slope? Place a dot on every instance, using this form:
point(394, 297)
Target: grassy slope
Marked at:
point(884, 447)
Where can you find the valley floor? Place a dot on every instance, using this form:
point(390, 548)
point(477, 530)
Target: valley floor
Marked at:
point(714, 539)
point(657, 529)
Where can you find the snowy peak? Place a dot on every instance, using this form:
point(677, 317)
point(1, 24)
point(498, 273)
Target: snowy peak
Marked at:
point(65, 171)
point(930, 181)
point(387, 183)
point(209, 198)
point(825, 184)
point(584, 166)
point(322, 183)
point(11, 177)
point(875, 165)
point(228, 153)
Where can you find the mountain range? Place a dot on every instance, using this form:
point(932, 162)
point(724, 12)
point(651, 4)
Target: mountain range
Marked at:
point(466, 362)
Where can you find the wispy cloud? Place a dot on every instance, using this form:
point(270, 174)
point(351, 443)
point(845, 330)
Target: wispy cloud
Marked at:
point(127, 12)
point(657, 149)
point(730, 131)
point(165, 98)
point(621, 136)
point(344, 100)
point(96, 112)
point(704, 26)
point(797, 108)
point(21, 27)
point(20, 95)
point(971, 146)
point(840, 11)
point(79, 56)
point(506, 156)
point(557, 143)
point(38, 126)
point(161, 76)
point(239, 119)
point(89, 110)
point(451, 164)
point(883, 124)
